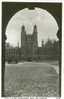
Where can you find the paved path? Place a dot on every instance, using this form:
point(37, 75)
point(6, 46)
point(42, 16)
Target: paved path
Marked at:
point(56, 68)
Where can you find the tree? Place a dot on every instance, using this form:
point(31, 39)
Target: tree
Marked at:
point(49, 44)
point(56, 48)
point(42, 44)
point(48, 47)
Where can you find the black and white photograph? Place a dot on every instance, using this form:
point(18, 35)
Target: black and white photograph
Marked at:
point(31, 49)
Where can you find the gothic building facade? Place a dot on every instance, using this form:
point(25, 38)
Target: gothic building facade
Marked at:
point(29, 50)
point(29, 44)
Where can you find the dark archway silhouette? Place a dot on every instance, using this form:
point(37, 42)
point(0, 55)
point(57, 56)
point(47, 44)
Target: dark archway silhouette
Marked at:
point(10, 8)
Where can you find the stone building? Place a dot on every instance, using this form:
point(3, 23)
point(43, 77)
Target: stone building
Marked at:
point(29, 50)
point(29, 44)
point(11, 53)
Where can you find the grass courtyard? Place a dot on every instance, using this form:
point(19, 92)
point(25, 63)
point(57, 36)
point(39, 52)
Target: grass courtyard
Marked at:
point(31, 79)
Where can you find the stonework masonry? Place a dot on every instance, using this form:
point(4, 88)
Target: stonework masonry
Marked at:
point(29, 44)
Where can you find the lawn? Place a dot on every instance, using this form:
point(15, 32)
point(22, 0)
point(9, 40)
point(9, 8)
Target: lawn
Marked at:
point(31, 79)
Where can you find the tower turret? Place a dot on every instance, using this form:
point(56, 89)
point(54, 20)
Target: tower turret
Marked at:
point(35, 42)
point(35, 34)
point(23, 42)
point(35, 29)
point(23, 36)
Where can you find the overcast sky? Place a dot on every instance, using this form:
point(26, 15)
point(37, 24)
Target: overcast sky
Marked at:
point(46, 25)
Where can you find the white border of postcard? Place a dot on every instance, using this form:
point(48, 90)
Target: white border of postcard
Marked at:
point(62, 73)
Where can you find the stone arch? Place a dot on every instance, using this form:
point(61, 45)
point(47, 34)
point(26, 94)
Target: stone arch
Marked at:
point(9, 9)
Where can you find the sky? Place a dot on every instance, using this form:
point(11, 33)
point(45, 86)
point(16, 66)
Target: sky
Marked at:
point(46, 25)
